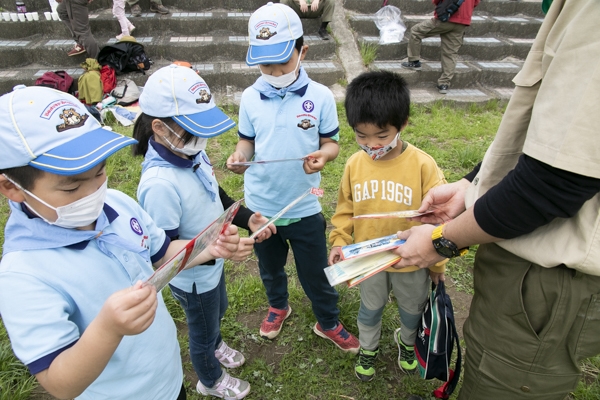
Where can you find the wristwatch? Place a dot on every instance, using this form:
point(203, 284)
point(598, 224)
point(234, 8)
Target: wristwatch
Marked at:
point(444, 247)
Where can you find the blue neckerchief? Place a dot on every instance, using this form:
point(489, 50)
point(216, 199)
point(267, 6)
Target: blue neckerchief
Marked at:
point(298, 87)
point(25, 233)
point(159, 156)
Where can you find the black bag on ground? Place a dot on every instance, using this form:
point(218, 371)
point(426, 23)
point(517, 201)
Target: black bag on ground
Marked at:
point(126, 55)
point(445, 8)
point(435, 342)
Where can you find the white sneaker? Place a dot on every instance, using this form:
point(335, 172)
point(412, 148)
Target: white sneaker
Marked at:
point(227, 387)
point(228, 357)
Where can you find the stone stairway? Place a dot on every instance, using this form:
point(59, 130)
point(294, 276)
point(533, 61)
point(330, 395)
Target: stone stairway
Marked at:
point(493, 51)
point(212, 35)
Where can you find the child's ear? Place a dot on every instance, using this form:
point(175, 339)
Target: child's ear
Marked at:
point(404, 125)
point(303, 52)
point(158, 127)
point(10, 190)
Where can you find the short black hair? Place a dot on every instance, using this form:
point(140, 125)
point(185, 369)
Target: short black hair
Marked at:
point(299, 44)
point(142, 132)
point(25, 176)
point(378, 97)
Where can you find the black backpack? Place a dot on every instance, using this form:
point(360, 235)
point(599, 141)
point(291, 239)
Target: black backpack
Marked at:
point(445, 9)
point(125, 56)
point(435, 342)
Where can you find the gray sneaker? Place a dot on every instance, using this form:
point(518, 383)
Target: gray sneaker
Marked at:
point(226, 387)
point(159, 8)
point(228, 357)
point(136, 10)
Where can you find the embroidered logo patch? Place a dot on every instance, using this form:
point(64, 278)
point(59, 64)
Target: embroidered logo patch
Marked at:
point(305, 124)
point(205, 97)
point(308, 106)
point(265, 33)
point(135, 226)
point(71, 119)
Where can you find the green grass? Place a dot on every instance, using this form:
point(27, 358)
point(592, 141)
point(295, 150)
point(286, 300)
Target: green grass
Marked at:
point(298, 365)
point(368, 52)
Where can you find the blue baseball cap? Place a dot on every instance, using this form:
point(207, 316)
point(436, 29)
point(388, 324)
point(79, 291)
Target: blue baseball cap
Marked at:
point(273, 30)
point(52, 131)
point(180, 93)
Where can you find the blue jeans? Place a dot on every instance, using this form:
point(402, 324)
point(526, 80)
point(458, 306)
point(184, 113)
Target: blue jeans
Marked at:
point(307, 238)
point(204, 312)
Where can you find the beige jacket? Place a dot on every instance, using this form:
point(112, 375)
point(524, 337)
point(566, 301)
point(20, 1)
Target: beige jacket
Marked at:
point(553, 116)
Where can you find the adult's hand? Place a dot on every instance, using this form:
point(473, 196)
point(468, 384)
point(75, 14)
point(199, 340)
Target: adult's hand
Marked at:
point(418, 249)
point(303, 6)
point(314, 6)
point(446, 201)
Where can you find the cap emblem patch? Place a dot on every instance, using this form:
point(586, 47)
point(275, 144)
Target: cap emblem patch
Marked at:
point(71, 119)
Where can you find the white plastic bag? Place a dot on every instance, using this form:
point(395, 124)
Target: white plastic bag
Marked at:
point(389, 22)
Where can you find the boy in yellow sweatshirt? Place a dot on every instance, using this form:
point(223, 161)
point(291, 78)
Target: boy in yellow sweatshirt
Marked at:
point(388, 174)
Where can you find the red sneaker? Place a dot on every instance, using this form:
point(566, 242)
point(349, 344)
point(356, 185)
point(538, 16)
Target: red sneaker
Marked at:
point(76, 51)
point(273, 322)
point(343, 339)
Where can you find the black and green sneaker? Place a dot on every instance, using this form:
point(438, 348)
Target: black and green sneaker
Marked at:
point(407, 360)
point(365, 364)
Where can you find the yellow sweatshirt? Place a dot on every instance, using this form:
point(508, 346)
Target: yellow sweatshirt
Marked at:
point(369, 187)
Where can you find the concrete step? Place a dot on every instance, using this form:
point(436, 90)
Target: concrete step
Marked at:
point(186, 5)
point(468, 74)
point(480, 95)
point(53, 52)
point(223, 77)
point(473, 48)
point(481, 25)
point(493, 7)
point(102, 23)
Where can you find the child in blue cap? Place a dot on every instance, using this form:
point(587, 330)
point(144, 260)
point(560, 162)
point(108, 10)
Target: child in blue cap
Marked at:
point(179, 190)
point(75, 256)
point(285, 114)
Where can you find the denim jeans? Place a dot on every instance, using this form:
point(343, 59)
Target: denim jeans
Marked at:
point(204, 312)
point(307, 238)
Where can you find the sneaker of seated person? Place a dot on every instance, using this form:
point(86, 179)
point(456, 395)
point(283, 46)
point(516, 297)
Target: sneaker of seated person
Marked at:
point(226, 387)
point(324, 34)
point(159, 8)
point(78, 49)
point(136, 10)
point(343, 339)
point(228, 357)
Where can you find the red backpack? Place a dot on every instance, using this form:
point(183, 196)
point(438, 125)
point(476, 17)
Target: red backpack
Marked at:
point(59, 80)
point(108, 77)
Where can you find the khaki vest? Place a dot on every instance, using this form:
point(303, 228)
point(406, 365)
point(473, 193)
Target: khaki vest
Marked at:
point(554, 117)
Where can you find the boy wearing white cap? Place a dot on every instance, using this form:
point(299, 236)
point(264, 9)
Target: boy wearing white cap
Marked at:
point(75, 256)
point(179, 190)
point(285, 114)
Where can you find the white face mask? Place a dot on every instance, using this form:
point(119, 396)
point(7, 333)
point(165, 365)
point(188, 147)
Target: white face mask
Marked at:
point(77, 214)
point(379, 151)
point(284, 80)
point(191, 148)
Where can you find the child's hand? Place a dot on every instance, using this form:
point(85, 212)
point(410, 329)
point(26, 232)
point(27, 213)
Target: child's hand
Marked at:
point(129, 311)
point(255, 222)
point(314, 162)
point(335, 255)
point(227, 243)
point(236, 157)
point(436, 277)
point(244, 249)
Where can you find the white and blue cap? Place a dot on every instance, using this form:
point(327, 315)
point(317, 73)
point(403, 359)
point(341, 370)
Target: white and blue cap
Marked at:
point(273, 30)
point(180, 93)
point(52, 131)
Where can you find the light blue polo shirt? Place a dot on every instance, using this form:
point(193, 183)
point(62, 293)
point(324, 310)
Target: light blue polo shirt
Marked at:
point(178, 202)
point(49, 296)
point(288, 127)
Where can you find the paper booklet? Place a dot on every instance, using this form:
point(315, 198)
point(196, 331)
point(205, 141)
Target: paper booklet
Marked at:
point(179, 261)
point(316, 191)
point(371, 247)
point(393, 214)
point(356, 270)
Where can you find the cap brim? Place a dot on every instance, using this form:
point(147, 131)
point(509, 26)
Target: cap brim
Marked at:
point(272, 54)
point(82, 153)
point(205, 124)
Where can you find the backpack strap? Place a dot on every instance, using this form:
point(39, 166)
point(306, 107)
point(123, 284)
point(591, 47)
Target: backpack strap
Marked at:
point(444, 391)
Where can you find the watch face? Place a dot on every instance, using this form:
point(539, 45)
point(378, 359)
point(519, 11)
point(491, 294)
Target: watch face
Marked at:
point(443, 247)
